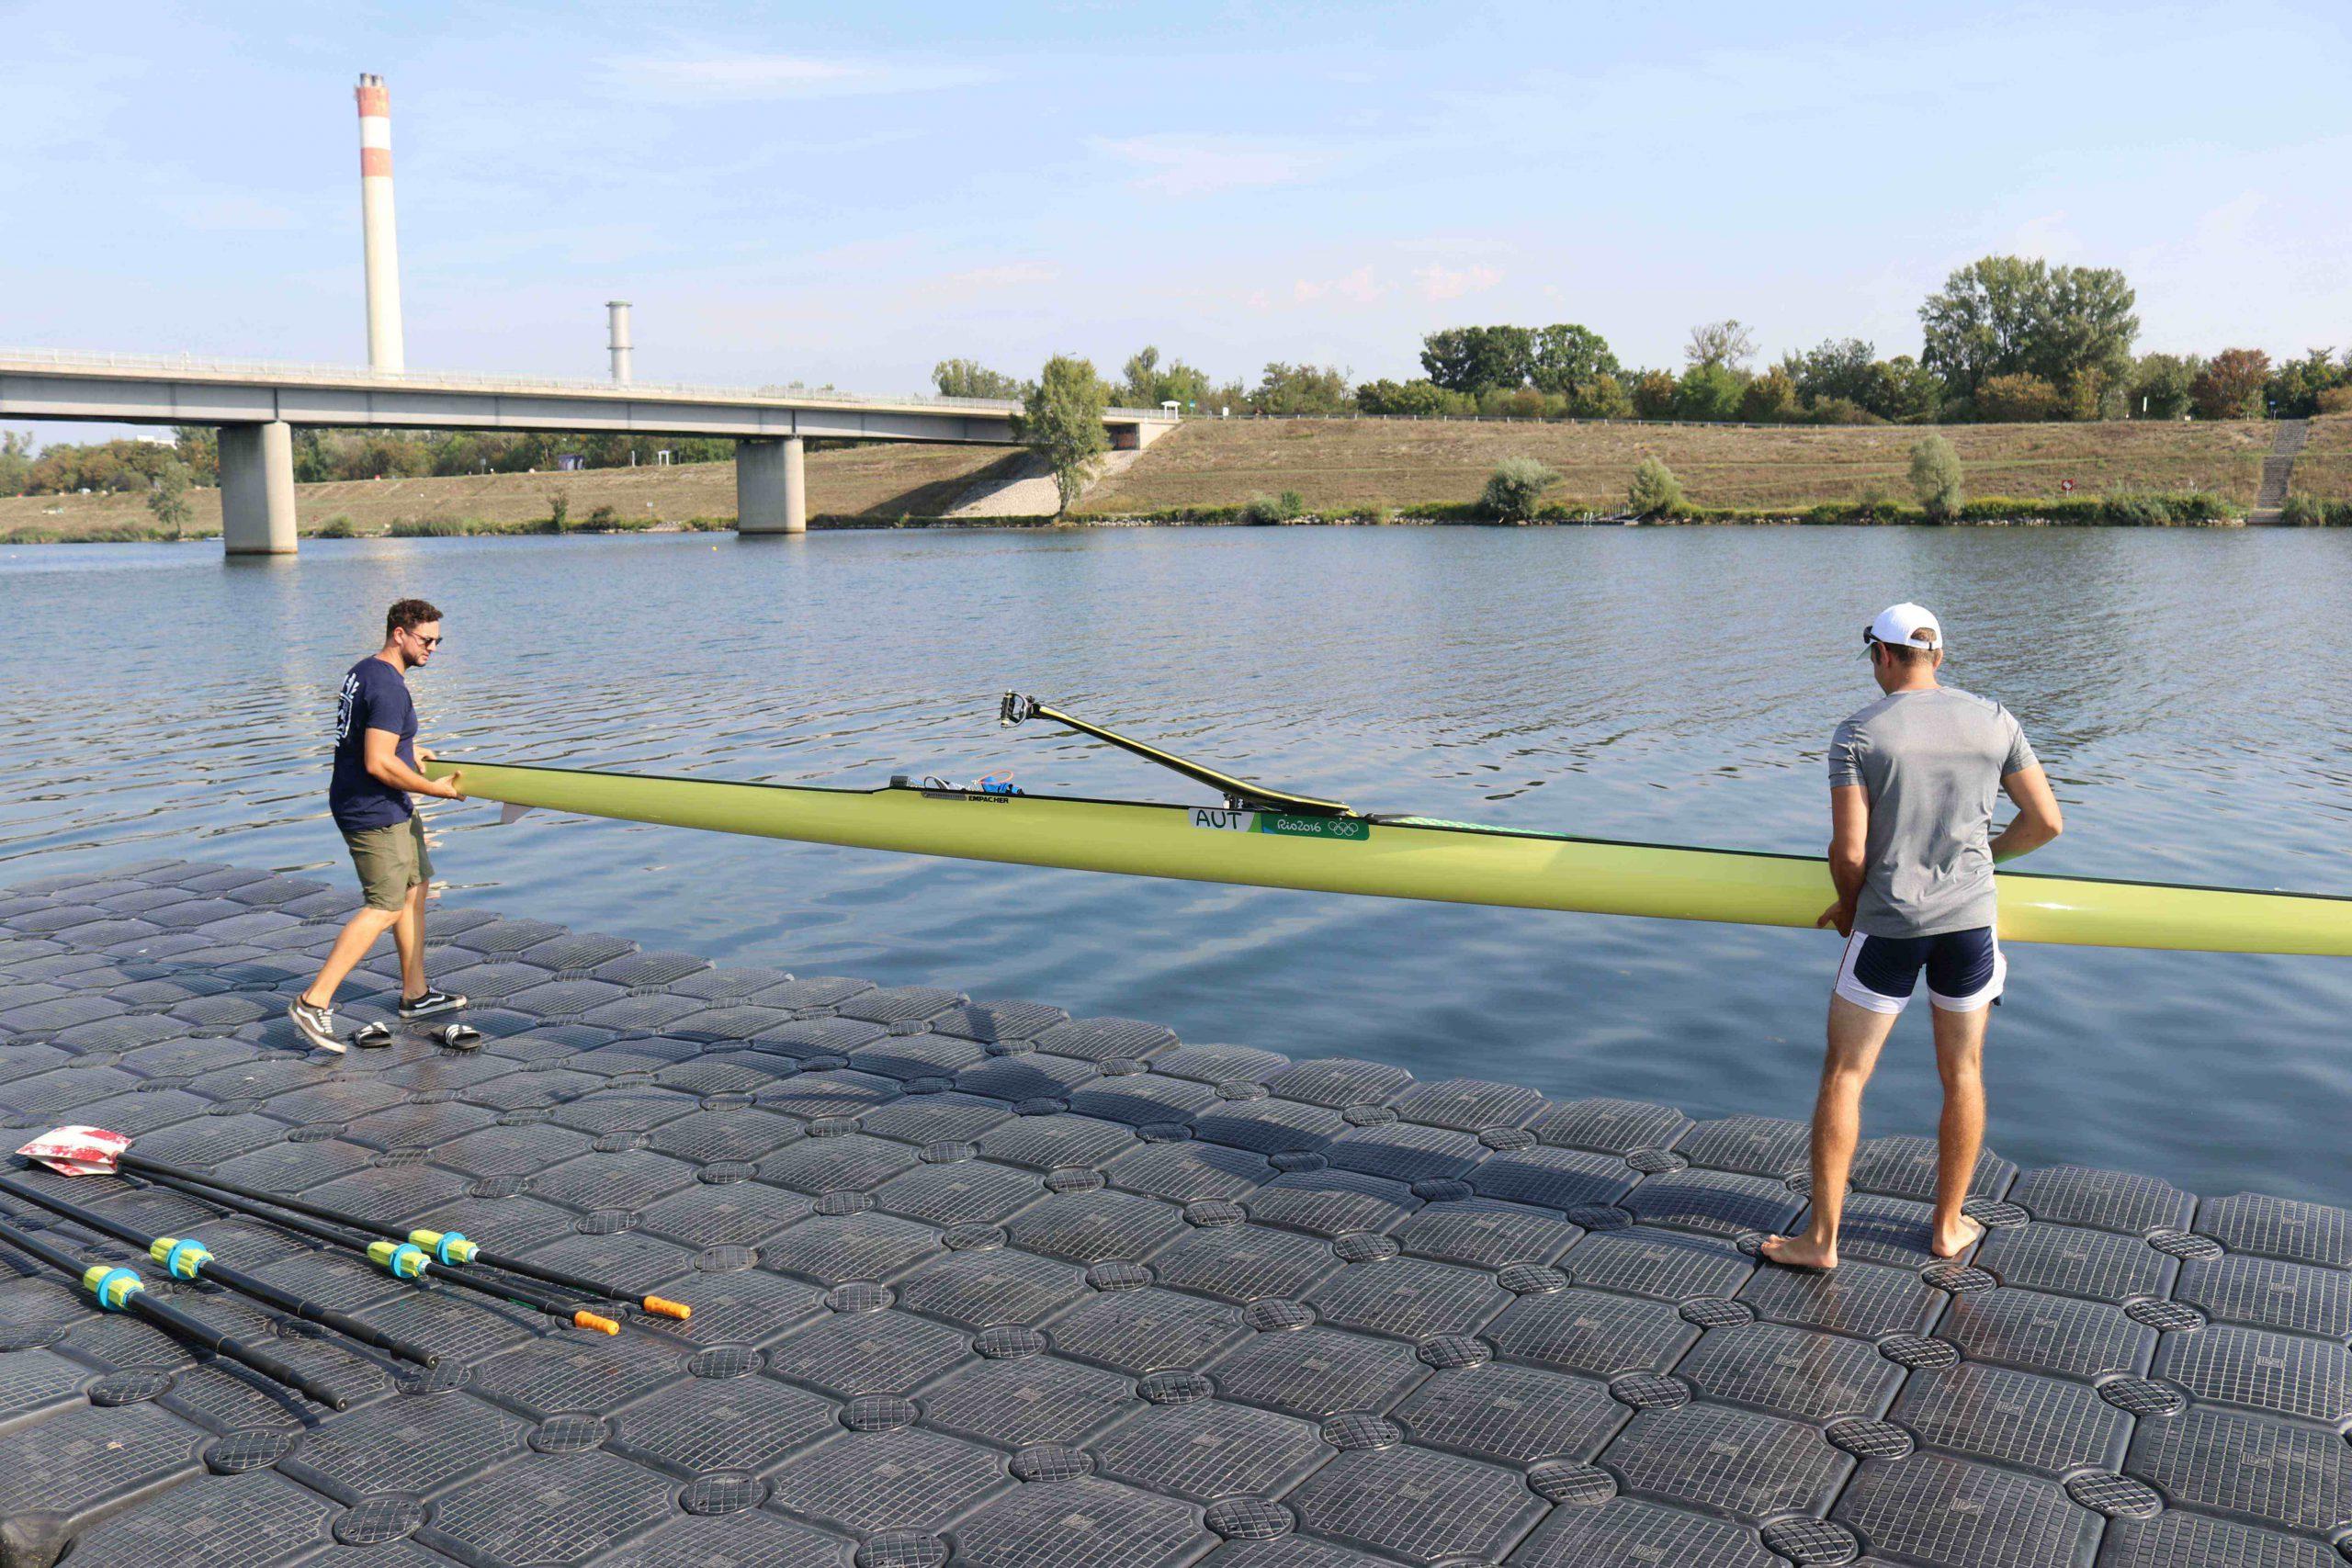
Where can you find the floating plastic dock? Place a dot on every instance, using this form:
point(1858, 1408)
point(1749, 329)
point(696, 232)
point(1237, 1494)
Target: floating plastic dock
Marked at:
point(979, 1283)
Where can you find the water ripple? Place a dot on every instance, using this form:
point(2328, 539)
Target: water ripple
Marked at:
point(1667, 684)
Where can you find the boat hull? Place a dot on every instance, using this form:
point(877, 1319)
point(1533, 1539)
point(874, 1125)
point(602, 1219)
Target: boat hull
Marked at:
point(1455, 864)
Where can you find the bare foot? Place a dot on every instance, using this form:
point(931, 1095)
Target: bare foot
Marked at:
point(1951, 1240)
point(1798, 1252)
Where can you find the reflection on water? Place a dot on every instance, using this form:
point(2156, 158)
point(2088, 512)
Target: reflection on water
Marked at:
point(2184, 689)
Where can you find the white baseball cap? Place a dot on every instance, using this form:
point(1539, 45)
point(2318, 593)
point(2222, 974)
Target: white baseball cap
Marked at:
point(1905, 626)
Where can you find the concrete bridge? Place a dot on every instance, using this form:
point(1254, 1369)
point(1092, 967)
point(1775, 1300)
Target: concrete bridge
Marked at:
point(256, 405)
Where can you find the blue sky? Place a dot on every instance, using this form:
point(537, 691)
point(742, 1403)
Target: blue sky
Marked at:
point(849, 193)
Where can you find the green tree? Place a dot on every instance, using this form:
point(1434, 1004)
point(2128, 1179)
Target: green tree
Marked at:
point(1720, 345)
point(1708, 394)
point(2096, 392)
point(1839, 411)
point(2232, 384)
point(198, 447)
point(310, 459)
point(167, 496)
point(1979, 324)
point(121, 467)
point(1522, 402)
point(2082, 339)
point(1147, 383)
point(1603, 396)
point(16, 461)
point(460, 452)
point(1515, 488)
point(2009, 315)
point(1265, 510)
point(2296, 385)
point(1935, 477)
point(1654, 492)
point(383, 455)
point(1419, 397)
point(1904, 390)
point(1478, 359)
point(1769, 399)
point(1140, 379)
point(1837, 367)
point(1568, 356)
point(970, 378)
point(1061, 421)
point(2016, 398)
point(1303, 390)
point(1652, 395)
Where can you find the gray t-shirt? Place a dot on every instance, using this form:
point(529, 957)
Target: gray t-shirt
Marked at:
point(1932, 761)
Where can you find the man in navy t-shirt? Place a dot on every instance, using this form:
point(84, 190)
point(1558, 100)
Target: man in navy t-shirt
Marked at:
point(376, 763)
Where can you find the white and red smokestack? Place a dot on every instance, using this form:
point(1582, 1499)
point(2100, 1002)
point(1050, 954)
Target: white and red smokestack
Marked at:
point(384, 348)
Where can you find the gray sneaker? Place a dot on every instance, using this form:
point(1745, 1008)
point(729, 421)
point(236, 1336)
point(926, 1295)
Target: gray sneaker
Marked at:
point(316, 1025)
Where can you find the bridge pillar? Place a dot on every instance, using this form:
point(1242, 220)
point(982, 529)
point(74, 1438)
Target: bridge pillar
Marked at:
point(771, 487)
point(257, 489)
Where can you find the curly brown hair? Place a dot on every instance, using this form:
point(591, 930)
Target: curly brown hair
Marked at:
point(407, 614)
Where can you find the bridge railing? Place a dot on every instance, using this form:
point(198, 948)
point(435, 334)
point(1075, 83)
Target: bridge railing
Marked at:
point(466, 381)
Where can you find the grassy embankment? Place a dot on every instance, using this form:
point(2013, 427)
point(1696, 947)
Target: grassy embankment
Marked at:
point(1365, 467)
point(2323, 471)
point(861, 481)
point(1341, 469)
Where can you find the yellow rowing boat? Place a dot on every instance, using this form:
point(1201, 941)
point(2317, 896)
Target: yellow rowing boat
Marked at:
point(1269, 839)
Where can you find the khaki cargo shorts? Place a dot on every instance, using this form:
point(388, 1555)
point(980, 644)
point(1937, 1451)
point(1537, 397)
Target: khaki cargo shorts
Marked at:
point(390, 860)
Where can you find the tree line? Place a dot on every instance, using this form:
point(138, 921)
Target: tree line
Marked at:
point(1145, 382)
point(2007, 340)
point(324, 455)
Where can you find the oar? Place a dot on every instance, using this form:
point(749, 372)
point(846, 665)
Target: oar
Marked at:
point(83, 1150)
point(400, 1259)
point(121, 1289)
point(1240, 793)
point(186, 1258)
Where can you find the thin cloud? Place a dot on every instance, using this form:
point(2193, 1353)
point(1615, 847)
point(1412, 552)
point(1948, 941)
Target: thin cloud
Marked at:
point(747, 78)
point(1206, 165)
point(1357, 288)
point(1451, 283)
point(1007, 274)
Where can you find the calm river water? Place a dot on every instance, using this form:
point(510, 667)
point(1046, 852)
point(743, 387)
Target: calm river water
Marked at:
point(2187, 692)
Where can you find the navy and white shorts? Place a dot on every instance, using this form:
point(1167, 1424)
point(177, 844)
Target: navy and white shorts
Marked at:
point(1965, 970)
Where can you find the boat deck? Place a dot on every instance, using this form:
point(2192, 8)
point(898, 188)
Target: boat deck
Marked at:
point(977, 1283)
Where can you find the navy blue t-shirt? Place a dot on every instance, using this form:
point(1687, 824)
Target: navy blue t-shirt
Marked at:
point(374, 697)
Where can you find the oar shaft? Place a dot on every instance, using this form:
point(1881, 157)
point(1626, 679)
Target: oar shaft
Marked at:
point(157, 1169)
point(504, 1289)
point(1215, 778)
point(181, 1325)
point(234, 1278)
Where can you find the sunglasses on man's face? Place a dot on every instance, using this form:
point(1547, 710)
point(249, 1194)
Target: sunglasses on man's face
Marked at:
point(427, 641)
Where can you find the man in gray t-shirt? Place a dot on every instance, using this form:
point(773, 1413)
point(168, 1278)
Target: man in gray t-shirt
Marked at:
point(1911, 782)
point(1929, 760)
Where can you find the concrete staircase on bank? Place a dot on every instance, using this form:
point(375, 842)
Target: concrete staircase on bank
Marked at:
point(2277, 471)
point(1028, 489)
